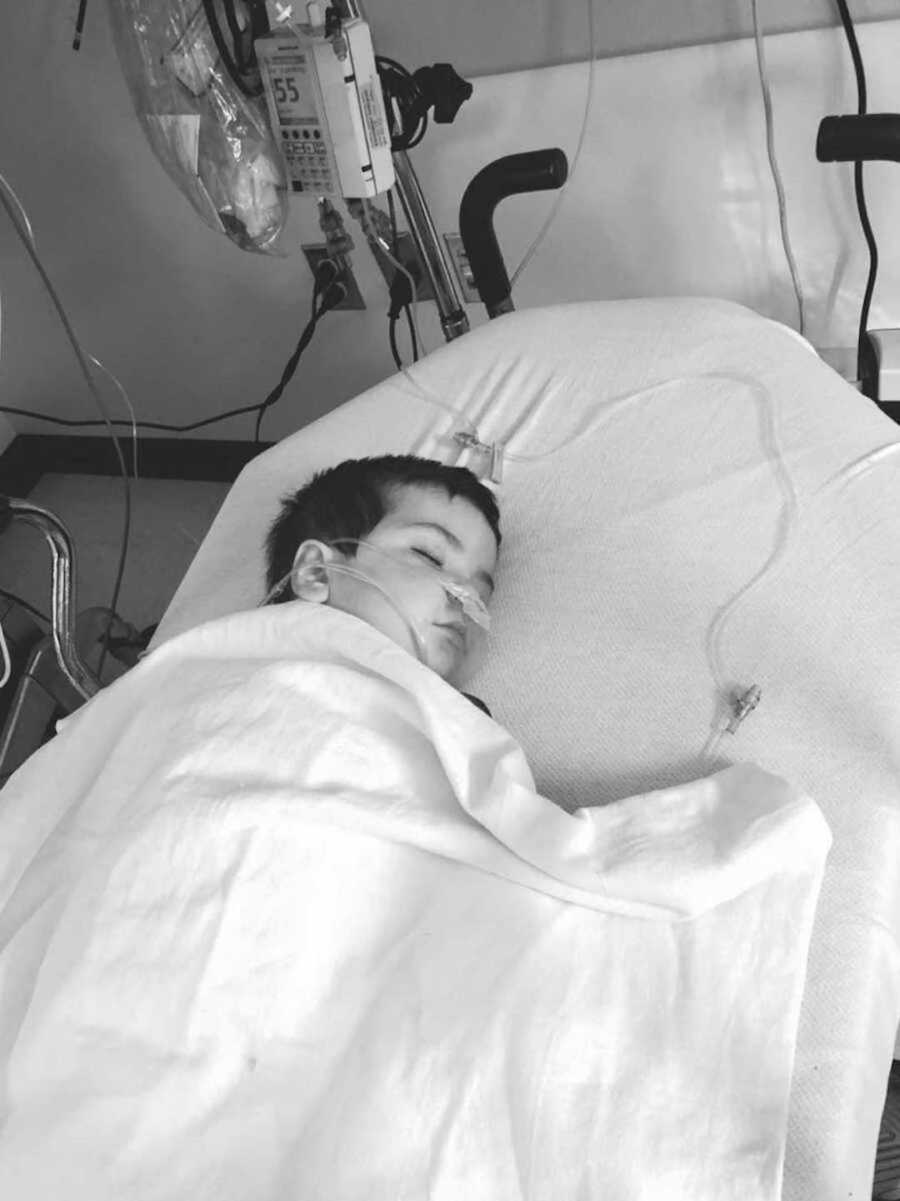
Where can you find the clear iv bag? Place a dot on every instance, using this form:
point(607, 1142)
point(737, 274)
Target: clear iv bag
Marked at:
point(214, 141)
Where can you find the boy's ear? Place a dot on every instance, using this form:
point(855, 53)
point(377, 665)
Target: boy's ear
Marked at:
point(309, 580)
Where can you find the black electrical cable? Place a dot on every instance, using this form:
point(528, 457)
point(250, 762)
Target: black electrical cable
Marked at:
point(82, 362)
point(237, 37)
point(847, 22)
point(401, 88)
point(392, 338)
point(397, 282)
point(225, 54)
point(289, 369)
point(259, 22)
point(392, 211)
point(141, 425)
point(392, 335)
point(412, 335)
point(25, 605)
point(194, 425)
point(79, 25)
point(333, 295)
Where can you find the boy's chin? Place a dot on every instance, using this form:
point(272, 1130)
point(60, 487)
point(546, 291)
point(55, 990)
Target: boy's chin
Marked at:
point(450, 671)
point(459, 673)
point(447, 663)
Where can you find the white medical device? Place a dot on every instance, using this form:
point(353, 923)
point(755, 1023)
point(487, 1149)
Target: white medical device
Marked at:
point(326, 106)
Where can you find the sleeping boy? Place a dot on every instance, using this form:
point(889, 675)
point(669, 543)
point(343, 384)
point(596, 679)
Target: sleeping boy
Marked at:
point(410, 514)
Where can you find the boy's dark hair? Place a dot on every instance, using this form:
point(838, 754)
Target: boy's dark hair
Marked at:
point(349, 500)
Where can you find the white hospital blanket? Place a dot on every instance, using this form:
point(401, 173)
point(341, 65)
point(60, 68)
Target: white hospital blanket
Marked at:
point(282, 917)
point(619, 552)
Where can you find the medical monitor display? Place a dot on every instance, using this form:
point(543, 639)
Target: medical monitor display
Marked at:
point(292, 92)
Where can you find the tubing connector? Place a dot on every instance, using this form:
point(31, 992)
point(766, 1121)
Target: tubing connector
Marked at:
point(742, 704)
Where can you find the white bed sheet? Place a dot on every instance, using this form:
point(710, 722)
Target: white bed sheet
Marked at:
point(310, 934)
point(619, 551)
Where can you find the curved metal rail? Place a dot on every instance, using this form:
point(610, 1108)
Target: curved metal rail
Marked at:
point(76, 672)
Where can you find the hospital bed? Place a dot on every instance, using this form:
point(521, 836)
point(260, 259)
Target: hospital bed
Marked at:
point(695, 510)
point(640, 495)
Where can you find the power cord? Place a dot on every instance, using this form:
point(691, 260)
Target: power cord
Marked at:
point(335, 293)
point(863, 353)
point(401, 296)
point(17, 600)
point(241, 65)
point(406, 100)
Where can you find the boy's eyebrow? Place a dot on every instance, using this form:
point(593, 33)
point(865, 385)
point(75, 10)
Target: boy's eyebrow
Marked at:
point(455, 542)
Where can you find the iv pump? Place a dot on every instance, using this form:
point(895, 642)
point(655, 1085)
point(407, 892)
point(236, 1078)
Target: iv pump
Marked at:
point(325, 100)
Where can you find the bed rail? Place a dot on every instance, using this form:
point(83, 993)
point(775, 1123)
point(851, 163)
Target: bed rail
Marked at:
point(76, 672)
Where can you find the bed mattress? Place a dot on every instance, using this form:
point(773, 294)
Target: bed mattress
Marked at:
point(639, 497)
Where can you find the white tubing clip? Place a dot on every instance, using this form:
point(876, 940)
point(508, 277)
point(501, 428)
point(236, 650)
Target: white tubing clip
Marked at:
point(494, 449)
point(742, 704)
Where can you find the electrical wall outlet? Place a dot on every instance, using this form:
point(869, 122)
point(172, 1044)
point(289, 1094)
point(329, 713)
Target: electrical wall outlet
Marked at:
point(314, 255)
point(407, 254)
point(465, 278)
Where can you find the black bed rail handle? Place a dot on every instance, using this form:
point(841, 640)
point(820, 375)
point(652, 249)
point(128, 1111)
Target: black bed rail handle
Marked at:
point(859, 137)
point(532, 171)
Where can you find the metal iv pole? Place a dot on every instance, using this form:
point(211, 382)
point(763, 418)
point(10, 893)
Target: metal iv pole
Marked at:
point(454, 320)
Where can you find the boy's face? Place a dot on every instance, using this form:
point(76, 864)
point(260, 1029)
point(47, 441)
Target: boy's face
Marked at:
point(467, 550)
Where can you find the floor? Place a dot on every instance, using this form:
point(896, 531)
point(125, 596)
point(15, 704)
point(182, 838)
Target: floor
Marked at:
point(169, 519)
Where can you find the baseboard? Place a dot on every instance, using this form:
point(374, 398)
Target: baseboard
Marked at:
point(32, 455)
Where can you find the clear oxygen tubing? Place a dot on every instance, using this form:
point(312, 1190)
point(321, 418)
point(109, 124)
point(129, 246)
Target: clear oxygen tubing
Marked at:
point(744, 703)
point(743, 700)
point(740, 701)
point(27, 223)
point(859, 467)
point(128, 405)
point(773, 164)
point(26, 235)
point(4, 659)
point(459, 589)
point(18, 203)
point(551, 216)
point(464, 595)
point(342, 569)
point(96, 362)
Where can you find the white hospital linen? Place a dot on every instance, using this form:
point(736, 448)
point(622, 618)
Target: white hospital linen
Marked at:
point(282, 916)
point(620, 550)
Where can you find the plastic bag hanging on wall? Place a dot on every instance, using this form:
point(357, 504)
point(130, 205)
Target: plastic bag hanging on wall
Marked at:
point(213, 139)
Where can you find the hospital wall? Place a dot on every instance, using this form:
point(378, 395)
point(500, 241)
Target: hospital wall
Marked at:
point(672, 194)
point(515, 35)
